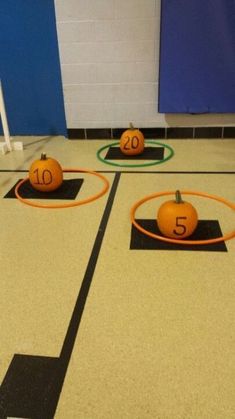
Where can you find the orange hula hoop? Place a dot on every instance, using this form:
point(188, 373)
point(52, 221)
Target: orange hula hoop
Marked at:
point(227, 236)
point(66, 205)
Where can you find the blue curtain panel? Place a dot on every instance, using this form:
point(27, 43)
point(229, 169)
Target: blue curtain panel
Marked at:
point(197, 56)
point(30, 68)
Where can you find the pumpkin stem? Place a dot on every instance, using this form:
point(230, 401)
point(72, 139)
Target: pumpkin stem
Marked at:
point(178, 197)
point(43, 156)
point(131, 126)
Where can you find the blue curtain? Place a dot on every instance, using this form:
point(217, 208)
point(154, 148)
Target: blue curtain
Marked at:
point(197, 56)
point(30, 68)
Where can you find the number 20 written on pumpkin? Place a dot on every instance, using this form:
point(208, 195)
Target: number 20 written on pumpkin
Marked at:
point(131, 143)
point(43, 178)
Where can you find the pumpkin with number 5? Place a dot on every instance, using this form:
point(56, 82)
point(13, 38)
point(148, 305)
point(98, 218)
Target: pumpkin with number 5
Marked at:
point(45, 174)
point(132, 141)
point(177, 219)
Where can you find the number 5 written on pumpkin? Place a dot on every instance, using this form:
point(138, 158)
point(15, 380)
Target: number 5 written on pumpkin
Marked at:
point(181, 228)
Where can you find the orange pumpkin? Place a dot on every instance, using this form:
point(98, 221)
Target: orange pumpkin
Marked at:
point(177, 218)
point(132, 141)
point(45, 174)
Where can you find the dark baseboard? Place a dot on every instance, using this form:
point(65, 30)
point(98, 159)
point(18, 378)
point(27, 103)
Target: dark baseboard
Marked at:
point(154, 133)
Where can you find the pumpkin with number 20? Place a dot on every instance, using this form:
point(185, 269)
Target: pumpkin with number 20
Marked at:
point(132, 141)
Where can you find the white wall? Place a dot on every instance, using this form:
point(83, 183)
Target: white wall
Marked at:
point(109, 52)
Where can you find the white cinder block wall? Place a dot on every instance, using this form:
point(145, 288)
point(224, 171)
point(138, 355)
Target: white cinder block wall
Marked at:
point(109, 52)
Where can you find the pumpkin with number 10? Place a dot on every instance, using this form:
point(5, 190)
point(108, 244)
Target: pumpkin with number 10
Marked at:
point(45, 174)
point(132, 141)
point(177, 219)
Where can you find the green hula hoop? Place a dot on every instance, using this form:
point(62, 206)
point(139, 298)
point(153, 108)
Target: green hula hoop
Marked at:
point(171, 153)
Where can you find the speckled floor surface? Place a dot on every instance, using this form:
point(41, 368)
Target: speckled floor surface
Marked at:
point(92, 329)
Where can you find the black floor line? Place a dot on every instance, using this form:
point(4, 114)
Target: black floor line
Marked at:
point(71, 334)
point(32, 385)
point(169, 172)
point(13, 171)
point(79, 307)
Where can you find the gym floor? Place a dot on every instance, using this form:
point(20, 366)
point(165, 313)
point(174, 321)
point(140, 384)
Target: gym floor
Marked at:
point(98, 321)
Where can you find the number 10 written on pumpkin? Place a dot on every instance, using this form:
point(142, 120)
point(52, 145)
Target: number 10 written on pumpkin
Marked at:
point(43, 178)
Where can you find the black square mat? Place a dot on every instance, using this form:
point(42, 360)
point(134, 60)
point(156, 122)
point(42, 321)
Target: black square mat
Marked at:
point(29, 387)
point(149, 153)
point(206, 229)
point(68, 190)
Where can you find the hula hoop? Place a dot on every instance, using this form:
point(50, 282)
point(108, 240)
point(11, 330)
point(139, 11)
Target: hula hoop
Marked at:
point(227, 236)
point(66, 205)
point(135, 165)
